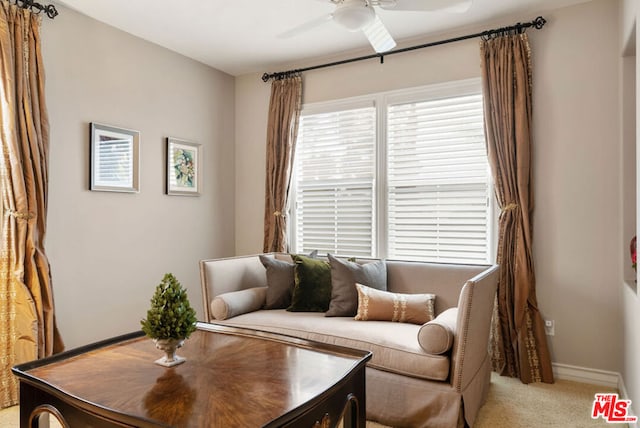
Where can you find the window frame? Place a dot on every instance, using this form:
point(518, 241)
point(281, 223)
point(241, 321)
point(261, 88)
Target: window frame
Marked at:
point(381, 102)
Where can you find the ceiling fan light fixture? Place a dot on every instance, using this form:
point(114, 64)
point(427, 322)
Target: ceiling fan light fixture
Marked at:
point(354, 14)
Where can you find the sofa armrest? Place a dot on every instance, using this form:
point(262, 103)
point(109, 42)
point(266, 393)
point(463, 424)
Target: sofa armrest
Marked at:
point(436, 336)
point(475, 309)
point(219, 276)
point(470, 359)
point(235, 303)
point(471, 343)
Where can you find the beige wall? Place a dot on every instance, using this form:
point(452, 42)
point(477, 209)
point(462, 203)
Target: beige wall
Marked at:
point(252, 110)
point(108, 251)
point(577, 239)
point(577, 180)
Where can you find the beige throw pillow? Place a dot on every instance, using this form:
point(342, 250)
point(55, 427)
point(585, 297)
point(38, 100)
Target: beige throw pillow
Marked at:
point(436, 336)
point(233, 303)
point(377, 305)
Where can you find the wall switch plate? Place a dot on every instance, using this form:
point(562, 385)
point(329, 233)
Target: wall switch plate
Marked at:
point(550, 327)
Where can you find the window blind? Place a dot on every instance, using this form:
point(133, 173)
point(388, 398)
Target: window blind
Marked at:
point(114, 161)
point(438, 181)
point(334, 182)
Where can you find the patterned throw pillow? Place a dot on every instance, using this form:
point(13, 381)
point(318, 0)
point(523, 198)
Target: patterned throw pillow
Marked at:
point(376, 305)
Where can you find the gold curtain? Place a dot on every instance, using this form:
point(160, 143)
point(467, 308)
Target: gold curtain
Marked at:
point(282, 131)
point(27, 322)
point(519, 343)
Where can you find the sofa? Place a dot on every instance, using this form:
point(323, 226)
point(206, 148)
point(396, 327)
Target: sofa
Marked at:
point(427, 324)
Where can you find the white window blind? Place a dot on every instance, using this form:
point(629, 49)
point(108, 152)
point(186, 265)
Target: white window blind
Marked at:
point(334, 182)
point(114, 161)
point(438, 181)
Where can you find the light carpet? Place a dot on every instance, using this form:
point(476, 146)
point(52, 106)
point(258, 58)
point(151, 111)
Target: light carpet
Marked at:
point(511, 404)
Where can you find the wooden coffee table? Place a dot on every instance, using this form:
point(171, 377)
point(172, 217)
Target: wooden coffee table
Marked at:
point(233, 377)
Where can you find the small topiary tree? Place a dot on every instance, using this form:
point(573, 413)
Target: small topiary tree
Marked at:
point(170, 316)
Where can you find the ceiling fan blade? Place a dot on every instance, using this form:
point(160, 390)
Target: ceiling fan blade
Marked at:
point(378, 36)
point(453, 6)
point(309, 25)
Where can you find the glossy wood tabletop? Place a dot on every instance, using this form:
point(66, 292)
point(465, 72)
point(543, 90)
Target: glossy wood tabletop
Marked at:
point(232, 377)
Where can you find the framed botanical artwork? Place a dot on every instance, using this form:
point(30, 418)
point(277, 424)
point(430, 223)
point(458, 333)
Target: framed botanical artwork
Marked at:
point(183, 167)
point(115, 159)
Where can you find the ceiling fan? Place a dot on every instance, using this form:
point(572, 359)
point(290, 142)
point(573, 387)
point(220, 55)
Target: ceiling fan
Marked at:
point(360, 15)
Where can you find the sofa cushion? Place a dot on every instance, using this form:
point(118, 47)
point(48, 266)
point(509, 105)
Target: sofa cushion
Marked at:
point(344, 275)
point(228, 305)
point(280, 281)
point(377, 305)
point(312, 290)
point(436, 336)
point(394, 346)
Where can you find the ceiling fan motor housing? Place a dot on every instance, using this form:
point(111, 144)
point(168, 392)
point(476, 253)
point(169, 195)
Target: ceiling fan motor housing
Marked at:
point(354, 14)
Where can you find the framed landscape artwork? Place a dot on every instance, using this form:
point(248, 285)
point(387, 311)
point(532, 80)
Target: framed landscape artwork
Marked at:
point(183, 167)
point(115, 159)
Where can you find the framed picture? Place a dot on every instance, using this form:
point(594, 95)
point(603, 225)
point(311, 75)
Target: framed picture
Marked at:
point(183, 167)
point(115, 159)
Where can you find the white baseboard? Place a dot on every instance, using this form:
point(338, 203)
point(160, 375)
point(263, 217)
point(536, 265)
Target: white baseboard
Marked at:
point(595, 377)
point(623, 394)
point(586, 375)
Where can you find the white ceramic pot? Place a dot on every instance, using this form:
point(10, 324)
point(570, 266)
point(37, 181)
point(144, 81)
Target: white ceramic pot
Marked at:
point(169, 347)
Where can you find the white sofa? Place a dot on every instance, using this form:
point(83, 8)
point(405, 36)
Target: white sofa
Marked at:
point(415, 378)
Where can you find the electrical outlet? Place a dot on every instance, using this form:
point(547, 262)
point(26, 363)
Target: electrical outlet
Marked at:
point(550, 327)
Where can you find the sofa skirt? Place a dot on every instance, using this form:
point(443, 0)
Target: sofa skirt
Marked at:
point(401, 401)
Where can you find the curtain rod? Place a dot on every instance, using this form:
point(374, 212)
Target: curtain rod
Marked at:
point(537, 23)
point(50, 10)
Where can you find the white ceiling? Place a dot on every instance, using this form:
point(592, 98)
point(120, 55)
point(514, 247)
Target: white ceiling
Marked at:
point(241, 36)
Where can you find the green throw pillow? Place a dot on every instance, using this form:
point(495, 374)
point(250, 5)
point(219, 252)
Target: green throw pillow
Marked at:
point(312, 290)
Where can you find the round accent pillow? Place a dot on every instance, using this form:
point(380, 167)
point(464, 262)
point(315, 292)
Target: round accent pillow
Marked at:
point(436, 336)
point(234, 303)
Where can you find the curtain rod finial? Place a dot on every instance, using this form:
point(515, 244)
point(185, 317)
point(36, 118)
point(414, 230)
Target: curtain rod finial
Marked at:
point(265, 77)
point(51, 11)
point(539, 22)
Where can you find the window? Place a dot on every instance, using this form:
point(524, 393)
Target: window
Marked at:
point(335, 179)
point(400, 175)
